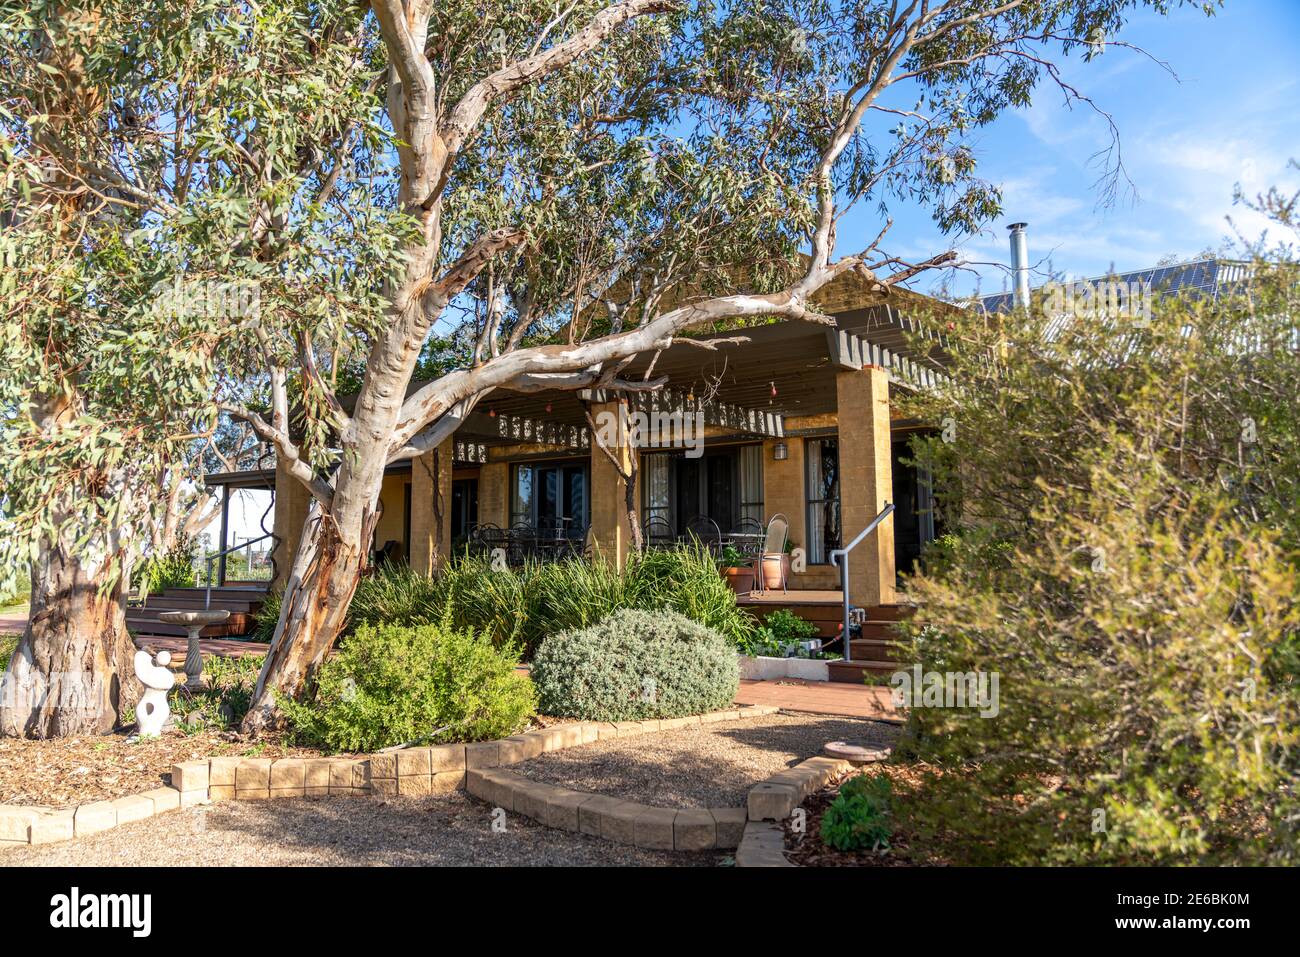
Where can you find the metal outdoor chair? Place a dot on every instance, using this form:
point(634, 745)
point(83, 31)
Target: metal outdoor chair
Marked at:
point(746, 537)
point(658, 533)
point(778, 528)
point(523, 543)
point(487, 537)
point(705, 531)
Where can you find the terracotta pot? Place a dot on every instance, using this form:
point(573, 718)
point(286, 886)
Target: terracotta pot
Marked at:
point(776, 570)
point(741, 579)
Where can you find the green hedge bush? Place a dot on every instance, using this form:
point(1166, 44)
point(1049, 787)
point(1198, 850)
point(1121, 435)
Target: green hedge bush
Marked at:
point(636, 664)
point(394, 684)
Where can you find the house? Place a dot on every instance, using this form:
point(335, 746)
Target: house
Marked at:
point(798, 420)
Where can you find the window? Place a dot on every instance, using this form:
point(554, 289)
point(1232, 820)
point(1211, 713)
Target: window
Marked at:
point(551, 497)
point(657, 484)
point(823, 481)
point(751, 483)
point(521, 499)
point(725, 485)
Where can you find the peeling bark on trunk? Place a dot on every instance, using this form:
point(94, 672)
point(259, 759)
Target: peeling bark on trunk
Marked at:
point(72, 671)
point(325, 574)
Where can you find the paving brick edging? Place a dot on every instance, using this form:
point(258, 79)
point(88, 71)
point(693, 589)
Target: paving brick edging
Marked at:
point(772, 801)
point(625, 822)
point(411, 771)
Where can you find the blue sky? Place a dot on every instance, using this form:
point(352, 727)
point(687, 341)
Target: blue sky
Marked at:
point(1230, 116)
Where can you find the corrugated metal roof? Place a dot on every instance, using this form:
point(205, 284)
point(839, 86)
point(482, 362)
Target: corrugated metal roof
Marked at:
point(1199, 277)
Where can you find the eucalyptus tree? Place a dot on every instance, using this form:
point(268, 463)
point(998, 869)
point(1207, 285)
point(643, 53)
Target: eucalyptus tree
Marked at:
point(570, 186)
point(141, 146)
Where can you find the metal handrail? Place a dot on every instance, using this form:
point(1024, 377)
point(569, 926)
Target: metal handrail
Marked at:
point(843, 553)
point(213, 556)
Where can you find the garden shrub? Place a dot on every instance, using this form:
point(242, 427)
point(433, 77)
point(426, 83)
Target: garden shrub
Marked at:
point(778, 632)
point(173, 569)
point(1144, 623)
point(224, 700)
point(396, 684)
point(636, 664)
point(860, 817)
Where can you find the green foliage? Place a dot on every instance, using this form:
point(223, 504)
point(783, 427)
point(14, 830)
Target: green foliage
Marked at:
point(779, 630)
point(175, 569)
point(860, 817)
point(222, 704)
point(523, 605)
point(395, 684)
point(1144, 621)
point(7, 645)
point(636, 664)
point(267, 617)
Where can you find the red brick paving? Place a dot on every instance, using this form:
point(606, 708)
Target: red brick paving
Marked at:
point(821, 697)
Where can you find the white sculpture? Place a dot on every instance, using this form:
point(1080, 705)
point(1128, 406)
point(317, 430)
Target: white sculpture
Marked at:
point(153, 711)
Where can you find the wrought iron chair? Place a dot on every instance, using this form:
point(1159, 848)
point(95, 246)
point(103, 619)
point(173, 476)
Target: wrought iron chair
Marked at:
point(706, 532)
point(746, 537)
point(523, 543)
point(778, 529)
point(658, 533)
point(486, 537)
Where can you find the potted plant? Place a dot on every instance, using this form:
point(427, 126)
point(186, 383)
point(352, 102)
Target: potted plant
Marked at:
point(737, 570)
point(776, 567)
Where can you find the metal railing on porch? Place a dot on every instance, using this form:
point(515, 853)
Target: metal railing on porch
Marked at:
point(220, 558)
point(840, 557)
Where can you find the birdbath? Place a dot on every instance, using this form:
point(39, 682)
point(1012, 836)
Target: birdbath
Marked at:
point(193, 622)
point(856, 754)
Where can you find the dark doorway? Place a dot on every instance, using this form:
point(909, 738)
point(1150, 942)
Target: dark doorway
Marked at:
point(915, 520)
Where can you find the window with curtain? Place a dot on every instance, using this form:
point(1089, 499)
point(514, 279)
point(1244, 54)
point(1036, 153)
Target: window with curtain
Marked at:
point(751, 483)
point(656, 498)
point(823, 459)
point(521, 497)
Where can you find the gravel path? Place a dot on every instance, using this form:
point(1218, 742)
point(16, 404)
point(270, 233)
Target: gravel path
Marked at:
point(712, 765)
point(444, 830)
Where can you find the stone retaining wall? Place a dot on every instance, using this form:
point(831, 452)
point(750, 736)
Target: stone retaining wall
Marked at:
point(407, 772)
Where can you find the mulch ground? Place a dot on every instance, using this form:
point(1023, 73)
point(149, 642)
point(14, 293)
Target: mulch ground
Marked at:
point(65, 772)
point(906, 849)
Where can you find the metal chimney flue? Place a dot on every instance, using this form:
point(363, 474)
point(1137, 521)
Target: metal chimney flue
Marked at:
point(1020, 264)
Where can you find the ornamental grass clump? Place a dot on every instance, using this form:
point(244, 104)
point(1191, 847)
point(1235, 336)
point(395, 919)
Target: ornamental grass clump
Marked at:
point(633, 665)
point(396, 684)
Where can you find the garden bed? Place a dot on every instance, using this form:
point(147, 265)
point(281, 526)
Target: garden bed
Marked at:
point(906, 849)
point(65, 772)
point(711, 765)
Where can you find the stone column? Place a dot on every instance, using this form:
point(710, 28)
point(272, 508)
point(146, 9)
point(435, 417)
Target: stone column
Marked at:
point(431, 508)
point(292, 500)
point(611, 532)
point(866, 481)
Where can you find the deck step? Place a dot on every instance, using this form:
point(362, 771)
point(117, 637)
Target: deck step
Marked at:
point(878, 649)
point(853, 672)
